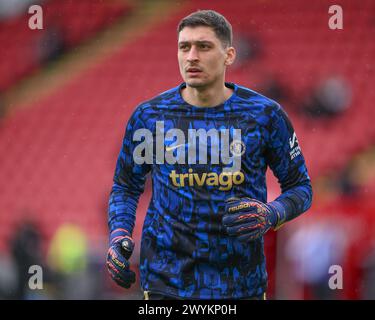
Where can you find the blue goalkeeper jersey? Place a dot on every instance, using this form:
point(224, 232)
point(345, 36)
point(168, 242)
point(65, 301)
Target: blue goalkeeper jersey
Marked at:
point(198, 157)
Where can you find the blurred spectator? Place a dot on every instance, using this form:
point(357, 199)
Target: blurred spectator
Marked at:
point(312, 250)
point(248, 47)
point(331, 97)
point(8, 278)
point(67, 252)
point(68, 258)
point(273, 88)
point(368, 276)
point(13, 8)
point(25, 251)
point(51, 44)
point(347, 181)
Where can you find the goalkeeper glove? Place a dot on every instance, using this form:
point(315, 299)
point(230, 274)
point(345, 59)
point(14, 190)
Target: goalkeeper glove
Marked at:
point(249, 219)
point(119, 252)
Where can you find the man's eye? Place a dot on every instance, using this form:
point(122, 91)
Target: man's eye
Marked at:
point(204, 46)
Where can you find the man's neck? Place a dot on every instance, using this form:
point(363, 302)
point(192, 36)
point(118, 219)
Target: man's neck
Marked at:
point(206, 97)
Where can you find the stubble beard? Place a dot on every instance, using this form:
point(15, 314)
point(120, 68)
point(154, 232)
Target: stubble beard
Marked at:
point(200, 84)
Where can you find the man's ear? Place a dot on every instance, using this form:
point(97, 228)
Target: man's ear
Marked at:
point(231, 56)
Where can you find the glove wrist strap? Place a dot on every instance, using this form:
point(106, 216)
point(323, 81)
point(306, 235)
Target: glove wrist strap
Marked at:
point(118, 234)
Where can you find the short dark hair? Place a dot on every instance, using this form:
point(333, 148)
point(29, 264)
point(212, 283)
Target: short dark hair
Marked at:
point(212, 19)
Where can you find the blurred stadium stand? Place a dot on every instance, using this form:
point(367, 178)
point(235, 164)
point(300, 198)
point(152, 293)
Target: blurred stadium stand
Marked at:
point(58, 153)
point(67, 23)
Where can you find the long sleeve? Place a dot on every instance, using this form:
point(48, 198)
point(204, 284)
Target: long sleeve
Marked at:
point(128, 183)
point(284, 157)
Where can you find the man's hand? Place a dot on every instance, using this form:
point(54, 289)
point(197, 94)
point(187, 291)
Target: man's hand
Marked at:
point(119, 253)
point(249, 219)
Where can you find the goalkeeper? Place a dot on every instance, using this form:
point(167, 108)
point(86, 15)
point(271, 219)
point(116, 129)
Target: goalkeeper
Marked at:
point(207, 144)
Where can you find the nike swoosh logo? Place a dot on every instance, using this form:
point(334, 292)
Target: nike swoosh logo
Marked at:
point(168, 148)
point(293, 140)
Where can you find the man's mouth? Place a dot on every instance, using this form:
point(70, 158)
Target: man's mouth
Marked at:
point(193, 70)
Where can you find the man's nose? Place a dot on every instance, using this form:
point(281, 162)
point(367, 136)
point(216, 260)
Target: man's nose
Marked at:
point(193, 54)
